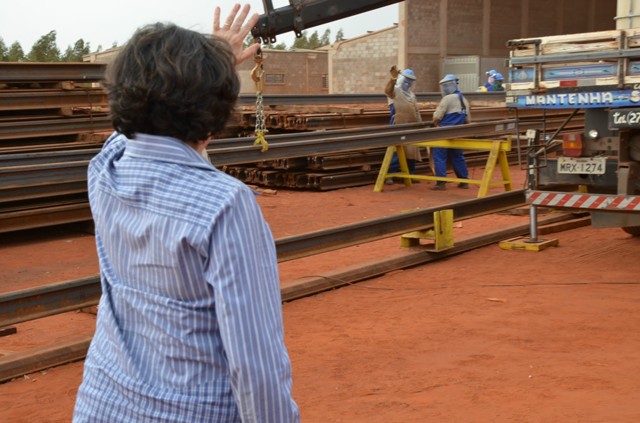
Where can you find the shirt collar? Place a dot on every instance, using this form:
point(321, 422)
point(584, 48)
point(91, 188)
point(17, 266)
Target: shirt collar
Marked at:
point(164, 149)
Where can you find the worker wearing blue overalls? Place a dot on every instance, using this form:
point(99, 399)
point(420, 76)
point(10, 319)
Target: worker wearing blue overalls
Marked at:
point(452, 110)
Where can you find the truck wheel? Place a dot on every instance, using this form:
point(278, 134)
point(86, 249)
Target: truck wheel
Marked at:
point(632, 230)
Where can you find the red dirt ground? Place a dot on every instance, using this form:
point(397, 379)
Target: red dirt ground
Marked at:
point(486, 336)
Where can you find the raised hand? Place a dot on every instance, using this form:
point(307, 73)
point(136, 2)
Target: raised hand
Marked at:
point(235, 31)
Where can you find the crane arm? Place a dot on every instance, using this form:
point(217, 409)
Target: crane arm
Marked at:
point(303, 14)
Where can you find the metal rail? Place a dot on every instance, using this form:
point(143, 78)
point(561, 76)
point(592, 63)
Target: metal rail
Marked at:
point(99, 122)
point(19, 183)
point(241, 150)
point(36, 158)
point(44, 216)
point(324, 142)
point(20, 306)
point(39, 99)
point(51, 72)
point(21, 363)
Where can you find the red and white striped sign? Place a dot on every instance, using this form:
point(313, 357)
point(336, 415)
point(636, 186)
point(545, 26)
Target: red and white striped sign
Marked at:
point(584, 201)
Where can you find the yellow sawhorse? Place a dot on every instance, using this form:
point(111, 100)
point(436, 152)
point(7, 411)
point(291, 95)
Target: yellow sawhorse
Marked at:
point(497, 155)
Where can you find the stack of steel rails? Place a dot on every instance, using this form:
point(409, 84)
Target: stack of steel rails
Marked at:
point(54, 119)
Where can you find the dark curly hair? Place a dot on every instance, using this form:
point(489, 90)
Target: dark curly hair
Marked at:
point(172, 81)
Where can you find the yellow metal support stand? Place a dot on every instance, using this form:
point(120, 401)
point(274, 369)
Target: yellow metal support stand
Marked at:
point(531, 243)
point(497, 155)
point(441, 234)
point(521, 243)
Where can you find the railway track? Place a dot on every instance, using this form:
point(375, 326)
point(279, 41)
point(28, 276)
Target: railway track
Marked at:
point(25, 305)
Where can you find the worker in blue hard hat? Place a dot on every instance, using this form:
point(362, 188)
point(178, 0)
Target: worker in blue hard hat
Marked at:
point(498, 82)
point(399, 90)
point(452, 110)
point(491, 79)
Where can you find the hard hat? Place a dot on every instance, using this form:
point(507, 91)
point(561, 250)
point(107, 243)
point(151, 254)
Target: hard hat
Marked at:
point(409, 74)
point(449, 78)
point(499, 77)
point(491, 72)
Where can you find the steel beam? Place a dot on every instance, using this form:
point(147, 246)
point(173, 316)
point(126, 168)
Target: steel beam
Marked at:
point(29, 304)
point(301, 15)
point(52, 127)
point(45, 216)
point(51, 72)
point(299, 246)
point(38, 99)
point(325, 142)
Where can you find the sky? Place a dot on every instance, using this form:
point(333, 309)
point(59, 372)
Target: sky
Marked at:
point(103, 23)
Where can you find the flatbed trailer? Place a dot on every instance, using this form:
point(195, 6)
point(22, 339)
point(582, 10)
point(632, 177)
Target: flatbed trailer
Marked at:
point(597, 170)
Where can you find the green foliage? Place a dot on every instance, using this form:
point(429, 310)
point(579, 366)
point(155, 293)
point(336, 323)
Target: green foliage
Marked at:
point(4, 51)
point(45, 49)
point(326, 37)
point(315, 41)
point(301, 42)
point(16, 54)
point(75, 54)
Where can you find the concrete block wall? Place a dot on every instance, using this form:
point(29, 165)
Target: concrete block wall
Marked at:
point(361, 65)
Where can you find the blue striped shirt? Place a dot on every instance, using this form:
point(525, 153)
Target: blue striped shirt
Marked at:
point(189, 325)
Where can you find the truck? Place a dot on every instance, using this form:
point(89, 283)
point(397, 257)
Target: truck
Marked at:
point(597, 75)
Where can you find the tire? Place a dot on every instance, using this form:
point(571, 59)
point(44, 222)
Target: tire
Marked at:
point(632, 230)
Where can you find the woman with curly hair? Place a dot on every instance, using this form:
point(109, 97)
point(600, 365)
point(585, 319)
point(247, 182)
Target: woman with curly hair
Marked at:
point(189, 325)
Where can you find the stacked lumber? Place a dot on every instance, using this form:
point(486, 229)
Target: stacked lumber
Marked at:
point(593, 58)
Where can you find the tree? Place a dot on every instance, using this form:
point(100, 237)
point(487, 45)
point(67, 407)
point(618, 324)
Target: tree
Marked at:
point(45, 49)
point(16, 54)
point(75, 54)
point(301, 42)
point(340, 35)
point(4, 51)
point(314, 41)
point(326, 37)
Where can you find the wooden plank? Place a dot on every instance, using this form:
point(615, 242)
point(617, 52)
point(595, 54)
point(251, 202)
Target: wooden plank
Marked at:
point(582, 37)
point(568, 48)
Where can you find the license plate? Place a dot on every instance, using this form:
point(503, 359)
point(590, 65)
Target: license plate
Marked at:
point(582, 165)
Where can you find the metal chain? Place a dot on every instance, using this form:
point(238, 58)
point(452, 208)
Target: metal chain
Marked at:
point(260, 120)
point(257, 74)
